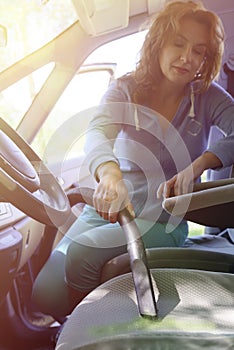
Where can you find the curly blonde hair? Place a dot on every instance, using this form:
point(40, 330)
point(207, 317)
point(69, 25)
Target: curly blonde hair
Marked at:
point(166, 22)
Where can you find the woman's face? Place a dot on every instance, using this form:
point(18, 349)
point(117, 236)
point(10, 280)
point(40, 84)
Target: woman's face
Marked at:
point(183, 53)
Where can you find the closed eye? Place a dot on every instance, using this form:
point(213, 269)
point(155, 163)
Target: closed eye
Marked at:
point(179, 43)
point(200, 51)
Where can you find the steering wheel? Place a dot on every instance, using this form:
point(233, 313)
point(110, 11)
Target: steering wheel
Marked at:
point(27, 183)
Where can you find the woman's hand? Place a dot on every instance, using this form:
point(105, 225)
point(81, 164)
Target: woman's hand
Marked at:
point(183, 182)
point(179, 184)
point(111, 194)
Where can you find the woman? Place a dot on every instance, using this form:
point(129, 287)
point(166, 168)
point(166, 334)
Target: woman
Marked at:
point(148, 137)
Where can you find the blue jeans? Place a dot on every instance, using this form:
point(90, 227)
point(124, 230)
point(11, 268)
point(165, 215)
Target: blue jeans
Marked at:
point(77, 261)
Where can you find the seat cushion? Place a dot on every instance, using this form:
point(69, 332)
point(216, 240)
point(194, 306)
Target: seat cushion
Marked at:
point(195, 310)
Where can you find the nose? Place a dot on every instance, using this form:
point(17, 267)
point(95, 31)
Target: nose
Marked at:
point(186, 54)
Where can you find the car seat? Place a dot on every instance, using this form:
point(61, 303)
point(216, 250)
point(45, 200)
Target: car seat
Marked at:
point(194, 304)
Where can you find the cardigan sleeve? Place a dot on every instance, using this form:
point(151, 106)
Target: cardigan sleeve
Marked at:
point(222, 110)
point(105, 126)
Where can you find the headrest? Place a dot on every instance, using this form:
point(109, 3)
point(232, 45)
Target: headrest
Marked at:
point(230, 61)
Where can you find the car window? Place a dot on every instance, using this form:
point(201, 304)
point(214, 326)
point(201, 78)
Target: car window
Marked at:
point(16, 99)
point(22, 20)
point(86, 89)
point(124, 51)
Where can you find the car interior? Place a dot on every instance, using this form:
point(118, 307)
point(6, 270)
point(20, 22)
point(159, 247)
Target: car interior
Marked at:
point(158, 298)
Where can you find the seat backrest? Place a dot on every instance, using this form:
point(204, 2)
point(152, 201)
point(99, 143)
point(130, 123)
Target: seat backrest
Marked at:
point(213, 175)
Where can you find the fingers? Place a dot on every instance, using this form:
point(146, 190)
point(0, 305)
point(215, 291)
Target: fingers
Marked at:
point(108, 201)
point(102, 202)
point(183, 183)
point(129, 207)
point(115, 209)
point(167, 188)
point(176, 186)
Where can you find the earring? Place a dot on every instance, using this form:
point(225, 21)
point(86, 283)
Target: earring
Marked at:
point(198, 75)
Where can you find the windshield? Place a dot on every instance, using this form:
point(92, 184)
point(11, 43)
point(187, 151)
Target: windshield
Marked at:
point(31, 24)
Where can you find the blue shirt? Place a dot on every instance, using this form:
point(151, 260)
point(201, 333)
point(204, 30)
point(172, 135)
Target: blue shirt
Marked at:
point(149, 149)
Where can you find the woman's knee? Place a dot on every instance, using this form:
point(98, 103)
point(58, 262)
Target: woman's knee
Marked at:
point(83, 267)
point(50, 292)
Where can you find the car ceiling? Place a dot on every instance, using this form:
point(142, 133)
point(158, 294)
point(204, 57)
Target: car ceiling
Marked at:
point(224, 8)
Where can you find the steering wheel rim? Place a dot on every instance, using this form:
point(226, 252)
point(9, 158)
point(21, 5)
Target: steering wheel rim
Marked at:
point(27, 183)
